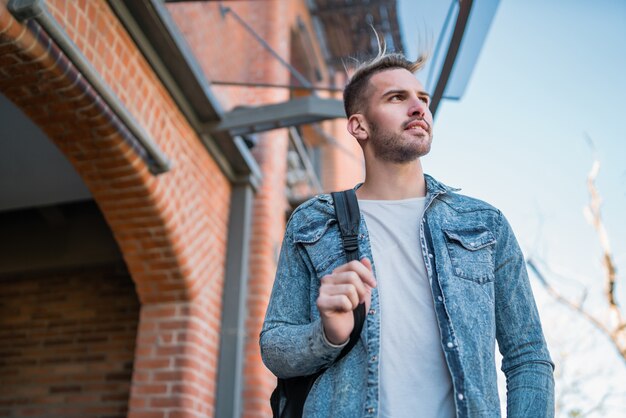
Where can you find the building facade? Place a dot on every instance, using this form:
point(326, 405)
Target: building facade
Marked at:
point(151, 154)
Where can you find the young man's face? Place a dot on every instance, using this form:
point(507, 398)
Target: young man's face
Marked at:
point(397, 119)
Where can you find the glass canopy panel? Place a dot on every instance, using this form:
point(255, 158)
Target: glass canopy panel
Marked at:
point(427, 27)
point(481, 16)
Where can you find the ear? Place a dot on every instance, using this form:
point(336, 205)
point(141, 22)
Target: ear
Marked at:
point(357, 126)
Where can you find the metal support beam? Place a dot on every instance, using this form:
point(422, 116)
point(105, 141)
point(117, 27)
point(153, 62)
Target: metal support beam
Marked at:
point(274, 85)
point(300, 111)
point(232, 338)
point(453, 49)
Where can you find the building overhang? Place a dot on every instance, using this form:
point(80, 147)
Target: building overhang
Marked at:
point(294, 112)
point(465, 7)
point(163, 45)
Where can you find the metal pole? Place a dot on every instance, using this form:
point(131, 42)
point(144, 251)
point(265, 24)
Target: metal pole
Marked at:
point(233, 332)
point(272, 85)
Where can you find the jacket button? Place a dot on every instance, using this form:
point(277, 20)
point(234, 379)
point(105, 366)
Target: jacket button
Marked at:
point(370, 410)
point(372, 311)
point(460, 396)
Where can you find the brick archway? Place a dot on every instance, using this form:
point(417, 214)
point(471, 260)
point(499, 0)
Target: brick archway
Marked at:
point(170, 228)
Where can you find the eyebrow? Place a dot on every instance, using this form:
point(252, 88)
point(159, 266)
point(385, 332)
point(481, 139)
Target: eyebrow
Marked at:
point(403, 91)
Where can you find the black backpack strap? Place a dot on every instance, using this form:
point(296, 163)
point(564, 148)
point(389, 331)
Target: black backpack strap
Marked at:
point(295, 390)
point(349, 218)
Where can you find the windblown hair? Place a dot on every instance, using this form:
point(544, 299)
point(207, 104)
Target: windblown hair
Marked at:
point(355, 93)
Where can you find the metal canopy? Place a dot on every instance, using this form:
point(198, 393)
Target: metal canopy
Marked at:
point(300, 111)
point(465, 7)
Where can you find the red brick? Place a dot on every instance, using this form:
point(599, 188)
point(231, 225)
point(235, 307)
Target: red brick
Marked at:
point(148, 414)
point(77, 302)
point(150, 389)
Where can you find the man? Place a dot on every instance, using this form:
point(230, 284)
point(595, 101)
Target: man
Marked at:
point(441, 274)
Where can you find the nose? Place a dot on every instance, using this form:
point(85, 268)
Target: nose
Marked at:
point(417, 107)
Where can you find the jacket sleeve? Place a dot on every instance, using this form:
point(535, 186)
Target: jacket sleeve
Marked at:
point(526, 361)
point(292, 344)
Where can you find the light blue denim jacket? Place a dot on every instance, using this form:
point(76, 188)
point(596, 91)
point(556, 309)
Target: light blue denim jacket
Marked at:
point(481, 294)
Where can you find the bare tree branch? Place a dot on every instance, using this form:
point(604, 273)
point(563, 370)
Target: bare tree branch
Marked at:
point(555, 294)
point(594, 217)
point(598, 407)
point(615, 327)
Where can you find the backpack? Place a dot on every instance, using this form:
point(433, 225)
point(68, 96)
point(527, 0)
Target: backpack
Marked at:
point(296, 389)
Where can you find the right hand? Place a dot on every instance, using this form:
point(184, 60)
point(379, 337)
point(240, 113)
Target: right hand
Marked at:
point(340, 293)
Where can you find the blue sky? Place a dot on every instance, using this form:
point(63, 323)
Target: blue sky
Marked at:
point(548, 72)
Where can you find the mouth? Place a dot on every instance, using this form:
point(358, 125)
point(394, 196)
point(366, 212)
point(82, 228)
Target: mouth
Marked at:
point(417, 124)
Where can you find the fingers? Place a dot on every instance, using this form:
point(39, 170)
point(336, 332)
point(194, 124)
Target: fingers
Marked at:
point(367, 263)
point(346, 287)
point(348, 290)
point(362, 268)
point(334, 303)
point(346, 283)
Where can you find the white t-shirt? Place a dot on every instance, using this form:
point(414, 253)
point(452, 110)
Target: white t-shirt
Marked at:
point(414, 377)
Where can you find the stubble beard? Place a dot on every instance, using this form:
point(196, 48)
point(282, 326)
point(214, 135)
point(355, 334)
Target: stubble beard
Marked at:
point(397, 148)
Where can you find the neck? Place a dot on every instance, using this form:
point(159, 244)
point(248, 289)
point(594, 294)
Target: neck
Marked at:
point(390, 181)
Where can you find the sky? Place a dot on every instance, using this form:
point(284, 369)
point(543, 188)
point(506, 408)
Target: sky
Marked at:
point(549, 74)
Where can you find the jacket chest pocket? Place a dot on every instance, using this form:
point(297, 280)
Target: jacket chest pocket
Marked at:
point(323, 246)
point(471, 253)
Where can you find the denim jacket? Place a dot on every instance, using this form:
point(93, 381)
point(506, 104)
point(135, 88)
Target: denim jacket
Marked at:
point(481, 294)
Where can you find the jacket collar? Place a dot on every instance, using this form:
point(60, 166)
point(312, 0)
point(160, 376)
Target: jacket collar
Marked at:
point(433, 188)
point(436, 187)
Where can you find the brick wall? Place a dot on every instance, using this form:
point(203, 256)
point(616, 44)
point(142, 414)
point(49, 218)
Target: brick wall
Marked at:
point(67, 340)
point(170, 228)
point(234, 55)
